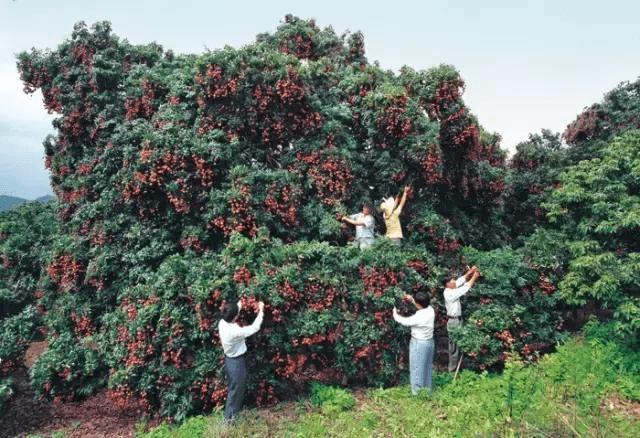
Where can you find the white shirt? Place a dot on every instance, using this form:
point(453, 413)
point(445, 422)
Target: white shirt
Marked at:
point(366, 230)
point(452, 297)
point(232, 336)
point(421, 322)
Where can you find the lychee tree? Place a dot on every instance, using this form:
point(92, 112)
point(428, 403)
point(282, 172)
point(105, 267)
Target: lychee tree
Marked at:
point(597, 211)
point(185, 180)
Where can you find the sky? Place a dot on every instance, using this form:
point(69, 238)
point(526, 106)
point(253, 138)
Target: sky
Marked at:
point(528, 65)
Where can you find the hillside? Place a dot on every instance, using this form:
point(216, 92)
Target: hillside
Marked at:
point(7, 202)
point(45, 198)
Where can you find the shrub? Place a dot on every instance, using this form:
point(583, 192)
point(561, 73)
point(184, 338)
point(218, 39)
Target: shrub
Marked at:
point(16, 332)
point(26, 234)
point(67, 369)
point(331, 399)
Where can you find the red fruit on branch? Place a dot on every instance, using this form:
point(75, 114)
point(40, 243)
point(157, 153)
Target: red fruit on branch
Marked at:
point(546, 286)
point(394, 122)
point(242, 275)
point(378, 282)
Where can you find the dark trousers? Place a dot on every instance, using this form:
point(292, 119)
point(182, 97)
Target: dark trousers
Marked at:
point(236, 370)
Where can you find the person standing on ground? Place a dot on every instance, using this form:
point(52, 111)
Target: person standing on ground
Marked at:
point(232, 338)
point(391, 210)
point(421, 346)
point(454, 290)
point(365, 226)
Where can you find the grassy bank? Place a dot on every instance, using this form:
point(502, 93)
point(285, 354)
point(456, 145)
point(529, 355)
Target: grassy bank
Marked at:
point(589, 387)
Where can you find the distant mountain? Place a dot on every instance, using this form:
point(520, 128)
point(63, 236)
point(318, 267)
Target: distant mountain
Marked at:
point(7, 202)
point(46, 198)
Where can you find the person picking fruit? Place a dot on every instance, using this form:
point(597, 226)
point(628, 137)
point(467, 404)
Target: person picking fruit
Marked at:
point(232, 338)
point(365, 226)
point(454, 290)
point(391, 210)
point(421, 346)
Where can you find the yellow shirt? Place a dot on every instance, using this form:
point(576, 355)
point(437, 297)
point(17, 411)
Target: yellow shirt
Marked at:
point(394, 230)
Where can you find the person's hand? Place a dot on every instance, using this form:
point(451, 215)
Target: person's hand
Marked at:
point(407, 189)
point(410, 298)
point(261, 306)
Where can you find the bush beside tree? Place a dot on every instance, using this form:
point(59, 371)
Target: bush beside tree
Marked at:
point(26, 234)
point(597, 208)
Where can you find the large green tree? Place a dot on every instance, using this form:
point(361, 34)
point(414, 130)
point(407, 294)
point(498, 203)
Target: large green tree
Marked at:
point(533, 172)
point(598, 124)
point(597, 207)
point(184, 180)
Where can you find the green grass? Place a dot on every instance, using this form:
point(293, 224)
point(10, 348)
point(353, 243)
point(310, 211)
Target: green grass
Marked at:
point(585, 389)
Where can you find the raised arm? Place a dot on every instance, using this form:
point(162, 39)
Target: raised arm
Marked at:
point(407, 321)
point(455, 294)
point(459, 291)
point(475, 276)
point(469, 274)
point(252, 329)
point(403, 200)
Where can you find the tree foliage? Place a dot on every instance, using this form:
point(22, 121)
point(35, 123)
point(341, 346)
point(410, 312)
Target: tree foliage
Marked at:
point(186, 180)
point(534, 170)
point(26, 234)
point(592, 130)
point(597, 207)
point(513, 308)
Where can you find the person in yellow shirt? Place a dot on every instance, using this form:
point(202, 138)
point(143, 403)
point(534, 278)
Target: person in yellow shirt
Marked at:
point(391, 210)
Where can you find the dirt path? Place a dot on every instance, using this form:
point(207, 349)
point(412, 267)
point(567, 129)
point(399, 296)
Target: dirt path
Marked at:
point(95, 417)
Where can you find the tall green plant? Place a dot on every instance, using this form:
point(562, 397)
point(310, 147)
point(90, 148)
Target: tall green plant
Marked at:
point(597, 207)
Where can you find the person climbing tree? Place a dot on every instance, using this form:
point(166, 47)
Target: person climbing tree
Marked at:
point(391, 210)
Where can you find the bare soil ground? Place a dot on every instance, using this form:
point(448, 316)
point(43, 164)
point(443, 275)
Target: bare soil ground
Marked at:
point(95, 417)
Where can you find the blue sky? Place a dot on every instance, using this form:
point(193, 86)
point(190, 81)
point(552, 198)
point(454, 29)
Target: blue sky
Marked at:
point(528, 64)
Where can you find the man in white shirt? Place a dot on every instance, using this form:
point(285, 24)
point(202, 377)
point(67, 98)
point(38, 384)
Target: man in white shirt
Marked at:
point(421, 346)
point(454, 290)
point(232, 338)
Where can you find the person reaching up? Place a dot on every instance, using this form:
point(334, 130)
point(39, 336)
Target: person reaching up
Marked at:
point(454, 290)
point(421, 346)
point(391, 210)
point(232, 338)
